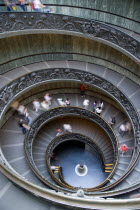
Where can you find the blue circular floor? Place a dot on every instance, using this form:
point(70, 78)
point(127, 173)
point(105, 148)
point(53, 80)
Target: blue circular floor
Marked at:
point(68, 156)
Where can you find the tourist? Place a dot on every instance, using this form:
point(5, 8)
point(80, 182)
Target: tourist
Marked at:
point(58, 131)
point(67, 102)
point(45, 105)
point(22, 4)
point(37, 6)
point(61, 102)
point(21, 109)
point(82, 88)
point(86, 103)
point(36, 105)
point(112, 121)
point(122, 129)
point(27, 118)
point(128, 127)
point(98, 110)
point(67, 128)
point(94, 106)
point(11, 6)
point(123, 148)
point(24, 127)
point(48, 98)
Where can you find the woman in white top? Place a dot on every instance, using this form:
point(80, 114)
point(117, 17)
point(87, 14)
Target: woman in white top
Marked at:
point(67, 128)
point(48, 99)
point(38, 6)
point(36, 105)
point(61, 102)
point(98, 110)
point(86, 103)
point(45, 105)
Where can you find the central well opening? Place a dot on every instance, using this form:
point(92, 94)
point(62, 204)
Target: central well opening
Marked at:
point(81, 164)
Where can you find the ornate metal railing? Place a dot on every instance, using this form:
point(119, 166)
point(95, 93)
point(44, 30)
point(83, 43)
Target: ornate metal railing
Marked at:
point(66, 111)
point(20, 85)
point(70, 5)
point(11, 22)
point(75, 137)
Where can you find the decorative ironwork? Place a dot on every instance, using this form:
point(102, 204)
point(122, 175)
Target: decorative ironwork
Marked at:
point(91, 28)
point(18, 86)
point(75, 137)
point(8, 93)
point(65, 111)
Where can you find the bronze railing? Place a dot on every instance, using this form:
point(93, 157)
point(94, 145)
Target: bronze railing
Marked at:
point(12, 22)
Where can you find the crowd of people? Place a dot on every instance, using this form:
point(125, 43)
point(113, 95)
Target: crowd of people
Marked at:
point(42, 106)
point(98, 106)
point(34, 5)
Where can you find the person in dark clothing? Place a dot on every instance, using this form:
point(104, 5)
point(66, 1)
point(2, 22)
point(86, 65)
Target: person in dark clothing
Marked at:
point(22, 4)
point(24, 127)
point(67, 102)
point(112, 121)
point(94, 106)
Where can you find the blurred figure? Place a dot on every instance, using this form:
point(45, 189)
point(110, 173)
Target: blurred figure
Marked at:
point(36, 105)
point(123, 148)
point(86, 103)
point(27, 118)
point(37, 5)
point(67, 102)
point(11, 6)
point(67, 128)
point(98, 110)
point(48, 98)
point(22, 4)
point(44, 105)
point(21, 109)
point(61, 102)
point(94, 106)
point(100, 104)
point(82, 88)
point(24, 127)
point(122, 129)
point(58, 131)
point(128, 127)
point(112, 121)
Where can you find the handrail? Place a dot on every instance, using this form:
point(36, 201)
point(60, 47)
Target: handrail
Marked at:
point(89, 28)
point(78, 7)
point(76, 137)
point(67, 199)
point(21, 84)
point(66, 111)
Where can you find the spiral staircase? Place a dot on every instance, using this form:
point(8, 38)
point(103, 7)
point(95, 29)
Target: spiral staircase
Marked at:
point(79, 42)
